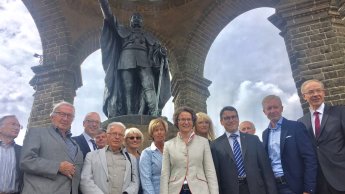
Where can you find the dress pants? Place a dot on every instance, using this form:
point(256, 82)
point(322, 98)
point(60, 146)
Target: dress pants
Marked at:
point(323, 186)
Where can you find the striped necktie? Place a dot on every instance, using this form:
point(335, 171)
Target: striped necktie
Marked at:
point(93, 144)
point(238, 156)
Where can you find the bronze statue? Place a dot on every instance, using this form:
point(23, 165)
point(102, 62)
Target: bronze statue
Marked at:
point(137, 76)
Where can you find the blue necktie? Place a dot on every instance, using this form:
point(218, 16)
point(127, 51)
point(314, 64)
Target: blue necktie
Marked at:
point(93, 144)
point(238, 156)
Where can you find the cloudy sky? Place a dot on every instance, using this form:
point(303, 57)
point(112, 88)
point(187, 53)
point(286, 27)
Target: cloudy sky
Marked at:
point(246, 62)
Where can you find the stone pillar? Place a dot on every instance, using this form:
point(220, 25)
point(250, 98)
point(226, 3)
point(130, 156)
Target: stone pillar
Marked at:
point(52, 84)
point(314, 35)
point(190, 90)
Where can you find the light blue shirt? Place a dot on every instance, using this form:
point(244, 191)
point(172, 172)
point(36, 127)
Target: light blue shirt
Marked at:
point(8, 170)
point(150, 167)
point(274, 148)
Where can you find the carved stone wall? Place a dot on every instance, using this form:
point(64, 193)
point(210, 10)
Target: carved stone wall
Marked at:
point(314, 34)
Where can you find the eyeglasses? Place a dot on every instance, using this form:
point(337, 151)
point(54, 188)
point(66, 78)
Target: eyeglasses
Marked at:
point(132, 138)
point(184, 120)
point(230, 118)
point(15, 125)
point(93, 122)
point(115, 134)
point(312, 92)
point(64, 115)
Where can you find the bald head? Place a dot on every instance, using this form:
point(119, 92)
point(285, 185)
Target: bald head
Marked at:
point(247, 127)
point(92, 124)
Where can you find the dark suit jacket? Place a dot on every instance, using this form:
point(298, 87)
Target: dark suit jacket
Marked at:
point(84, 146)
point(298, 157)
point(258, 170)
point(19, 179)
point(330, 145)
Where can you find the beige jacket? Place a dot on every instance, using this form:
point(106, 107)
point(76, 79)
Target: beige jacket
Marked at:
point(193, 162)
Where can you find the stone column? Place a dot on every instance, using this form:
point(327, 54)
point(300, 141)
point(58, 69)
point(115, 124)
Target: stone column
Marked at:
point(52, 84)
point(314, 35)
point(190, 90)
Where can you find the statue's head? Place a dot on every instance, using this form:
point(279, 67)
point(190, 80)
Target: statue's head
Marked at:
point(136, 20)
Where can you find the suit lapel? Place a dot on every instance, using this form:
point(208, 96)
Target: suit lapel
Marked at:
point(265, 139)
point(308, 125)
point(283, 134)
point(59, 139)
point(85, 145)
point(306, 119)
point(324, 120)
point(243, 144)
point(103, 159)
point(17, 150)
point(227, 147)
point(128, 167)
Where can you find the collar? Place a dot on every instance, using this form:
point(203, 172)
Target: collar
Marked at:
point(237, 132)
point(191, 136)
point(87, 137)
point(279, 123)
point(153, 146)
point(67, 133)
point(320, 109)
point(108, 148)
point(7, 145)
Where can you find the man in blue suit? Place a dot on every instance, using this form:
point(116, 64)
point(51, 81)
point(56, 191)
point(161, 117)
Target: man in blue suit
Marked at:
point(290, 150)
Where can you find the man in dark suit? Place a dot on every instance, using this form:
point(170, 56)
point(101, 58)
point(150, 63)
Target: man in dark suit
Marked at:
point(290, 150)
point(11, 178)
point(326, 127)
point(241, 163)
point(86, 140)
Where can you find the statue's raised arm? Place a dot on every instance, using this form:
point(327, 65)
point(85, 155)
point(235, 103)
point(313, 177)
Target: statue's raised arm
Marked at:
point(106, 10)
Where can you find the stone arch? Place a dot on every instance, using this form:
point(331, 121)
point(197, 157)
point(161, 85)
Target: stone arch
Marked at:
point(313, 32)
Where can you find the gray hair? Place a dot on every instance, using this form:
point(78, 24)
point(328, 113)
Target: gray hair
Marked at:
point(134, 130)
point(309, 81)
point(251, 124)
point(119, 124)
point(2, 119)
point(62, 103)
point(271, 97)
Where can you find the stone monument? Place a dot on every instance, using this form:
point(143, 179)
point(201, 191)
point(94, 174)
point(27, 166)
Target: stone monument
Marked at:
point(137, 81)
point(137, 77)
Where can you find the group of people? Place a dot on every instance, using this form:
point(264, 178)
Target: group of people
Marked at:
point(295, 157)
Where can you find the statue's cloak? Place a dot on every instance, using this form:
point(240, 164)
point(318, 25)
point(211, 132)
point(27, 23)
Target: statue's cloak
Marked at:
point(111, 47)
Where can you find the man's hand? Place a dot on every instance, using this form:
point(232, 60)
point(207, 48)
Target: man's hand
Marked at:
point(67, 169)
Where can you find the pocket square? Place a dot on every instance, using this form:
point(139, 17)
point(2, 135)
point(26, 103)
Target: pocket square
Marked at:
point(288, 136)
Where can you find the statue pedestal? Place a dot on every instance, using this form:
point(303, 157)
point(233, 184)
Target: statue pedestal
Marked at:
point(141, 122)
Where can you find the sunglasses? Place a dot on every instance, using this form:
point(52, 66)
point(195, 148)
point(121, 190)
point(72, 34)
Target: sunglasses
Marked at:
point(132, 138)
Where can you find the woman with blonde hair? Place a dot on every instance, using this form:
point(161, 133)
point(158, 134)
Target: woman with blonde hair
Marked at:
point(150, 163)
point(133, 141)
point(204, 126)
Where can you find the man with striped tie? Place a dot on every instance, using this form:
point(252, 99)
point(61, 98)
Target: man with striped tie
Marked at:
point(241, 163)
point(290, 150)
